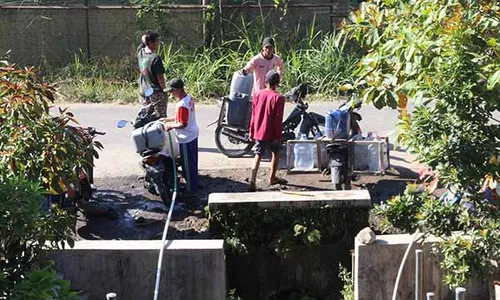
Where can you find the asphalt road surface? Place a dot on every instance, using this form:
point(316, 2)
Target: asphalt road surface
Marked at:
point(118, 157)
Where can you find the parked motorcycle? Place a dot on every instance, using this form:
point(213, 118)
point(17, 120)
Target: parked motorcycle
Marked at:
point(80, 192)
point(156, 154)
point(338, 151)
point(233, 141)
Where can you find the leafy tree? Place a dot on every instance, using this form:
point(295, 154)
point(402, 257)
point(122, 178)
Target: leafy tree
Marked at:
point(444, 58)
point(39, 153)
point(33, 142)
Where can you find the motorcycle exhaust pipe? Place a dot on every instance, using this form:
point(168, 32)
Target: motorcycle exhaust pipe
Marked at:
point(233, 134)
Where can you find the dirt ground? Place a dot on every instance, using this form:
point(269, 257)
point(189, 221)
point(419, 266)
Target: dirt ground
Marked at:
point(122, 209)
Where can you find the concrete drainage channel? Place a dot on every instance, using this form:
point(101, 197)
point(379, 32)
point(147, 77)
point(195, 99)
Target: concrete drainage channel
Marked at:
point(200, 269)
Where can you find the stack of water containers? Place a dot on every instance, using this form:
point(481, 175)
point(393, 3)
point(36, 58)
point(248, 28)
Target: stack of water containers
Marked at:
point(303, 155)
point(239, 109)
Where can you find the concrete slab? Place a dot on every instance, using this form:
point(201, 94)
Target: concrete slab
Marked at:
point(352, 198)
point(192, 269)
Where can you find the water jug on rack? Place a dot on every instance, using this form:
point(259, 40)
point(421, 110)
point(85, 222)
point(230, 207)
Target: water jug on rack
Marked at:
point(338, 124)
point(240, 93)
point(303, 155)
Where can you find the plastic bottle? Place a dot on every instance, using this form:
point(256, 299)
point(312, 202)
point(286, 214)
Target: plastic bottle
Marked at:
point(385, 160)
point(303, 153)
point(323, 153)
point(328, 124)
point(374, 156)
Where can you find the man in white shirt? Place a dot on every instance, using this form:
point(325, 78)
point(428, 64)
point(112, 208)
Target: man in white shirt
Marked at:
point(186, 132)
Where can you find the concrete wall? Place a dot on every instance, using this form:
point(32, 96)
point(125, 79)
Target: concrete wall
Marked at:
point(192, 269)
point(377, 265)
point(53, 35)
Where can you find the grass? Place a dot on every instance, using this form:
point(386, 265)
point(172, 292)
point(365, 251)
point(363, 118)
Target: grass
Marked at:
point(325, 61)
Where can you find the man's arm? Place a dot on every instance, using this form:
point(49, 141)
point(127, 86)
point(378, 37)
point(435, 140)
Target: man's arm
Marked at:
point(249, 67)
point(250, 126)
point(182, 119)
point(279, 67)
point(159, 70)
point(161, 80)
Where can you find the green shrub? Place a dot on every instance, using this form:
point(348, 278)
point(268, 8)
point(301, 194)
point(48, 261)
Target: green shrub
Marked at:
point(26, 231)
point(35, 143)
point(281, 230)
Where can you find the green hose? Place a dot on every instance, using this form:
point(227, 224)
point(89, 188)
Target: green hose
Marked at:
point(169, 216)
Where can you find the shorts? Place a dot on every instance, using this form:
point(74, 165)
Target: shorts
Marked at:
point(261, 146)
point(158, 101)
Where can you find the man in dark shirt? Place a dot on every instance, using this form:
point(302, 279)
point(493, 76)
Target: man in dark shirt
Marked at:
point(151, 78)
point(266, 126)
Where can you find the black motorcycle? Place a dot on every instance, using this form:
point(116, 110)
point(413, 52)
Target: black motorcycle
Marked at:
point(158, 166)
point(233, 141)
point(338, 151)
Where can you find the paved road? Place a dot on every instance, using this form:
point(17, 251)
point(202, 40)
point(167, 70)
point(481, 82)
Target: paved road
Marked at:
point(119, 159)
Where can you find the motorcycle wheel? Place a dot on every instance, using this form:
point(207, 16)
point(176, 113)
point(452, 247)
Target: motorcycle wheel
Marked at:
point(166, 187)
point(230, 146)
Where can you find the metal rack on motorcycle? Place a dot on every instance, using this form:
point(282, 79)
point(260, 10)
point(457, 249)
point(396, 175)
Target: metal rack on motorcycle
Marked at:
point(359, 159)
point(290, 156)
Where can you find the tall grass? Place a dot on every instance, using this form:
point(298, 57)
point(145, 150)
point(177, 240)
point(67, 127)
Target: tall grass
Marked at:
point(321, 60)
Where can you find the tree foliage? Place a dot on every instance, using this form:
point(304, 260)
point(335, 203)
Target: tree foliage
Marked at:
point(34, 142)
point(444, 57)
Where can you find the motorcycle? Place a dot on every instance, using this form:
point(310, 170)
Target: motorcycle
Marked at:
point(234, 141)
point(159, 178)
point(338, 151)
point(80, 192)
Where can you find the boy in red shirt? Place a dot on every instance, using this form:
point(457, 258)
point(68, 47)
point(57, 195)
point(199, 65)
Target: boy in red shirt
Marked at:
point(266, 126)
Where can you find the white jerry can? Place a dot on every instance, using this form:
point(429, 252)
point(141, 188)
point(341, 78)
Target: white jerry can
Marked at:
point(149, 137)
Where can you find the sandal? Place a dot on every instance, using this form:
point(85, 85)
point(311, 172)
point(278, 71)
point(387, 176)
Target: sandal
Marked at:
point(278, 181)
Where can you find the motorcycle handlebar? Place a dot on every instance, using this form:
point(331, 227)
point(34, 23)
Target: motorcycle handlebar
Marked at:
point(92, 131)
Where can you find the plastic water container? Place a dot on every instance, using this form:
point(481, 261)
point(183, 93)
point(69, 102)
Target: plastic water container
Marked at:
point(240, 84)
point(170, 136)
point(338, 123)
point(328, 124)
point(322, 160)
point(385, 160)
point(373, 157)
point(239, 110)
point(149, 137)
point(360, 154)
point(303, 155)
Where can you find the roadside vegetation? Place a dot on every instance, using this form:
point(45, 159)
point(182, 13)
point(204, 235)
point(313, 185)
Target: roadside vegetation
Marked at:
point(40, 153)
point(326, 61)
point(444, 58)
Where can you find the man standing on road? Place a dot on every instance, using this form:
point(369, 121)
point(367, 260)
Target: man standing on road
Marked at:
point(266, 126)
point(151, 78)
point(186, 132)
point(262, 63)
